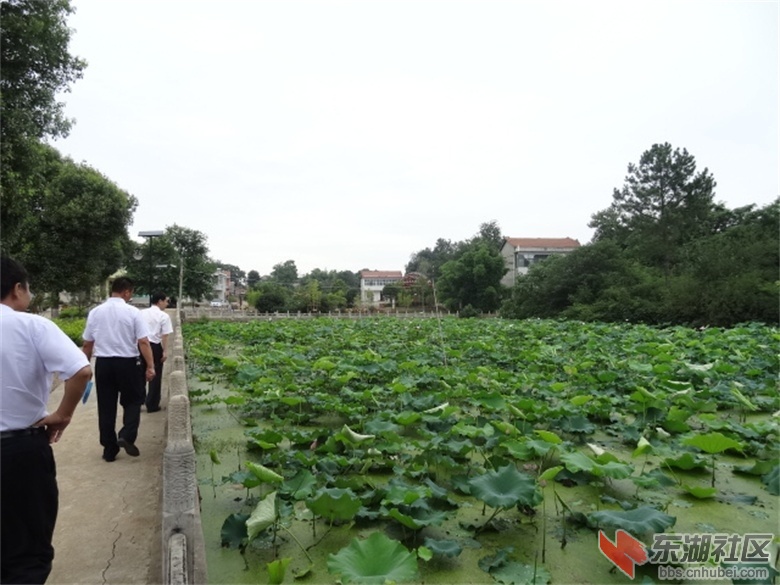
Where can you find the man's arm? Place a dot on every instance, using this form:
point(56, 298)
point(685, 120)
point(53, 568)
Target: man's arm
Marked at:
point(87, 348)
point(164, 344)
point(56, 422)
point(146, 351)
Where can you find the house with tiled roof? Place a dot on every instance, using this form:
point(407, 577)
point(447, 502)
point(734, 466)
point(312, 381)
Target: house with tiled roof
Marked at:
point(522, 253)
point(373, 281)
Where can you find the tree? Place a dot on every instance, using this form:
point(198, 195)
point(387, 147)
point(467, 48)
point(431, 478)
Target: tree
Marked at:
point(429, 261)
point(88, 213)
point(285, 273)
point(179, 248)
point(252, 278)
point(664, 203)
point(269, 297)
point(473, 279)
point(36, 66)
point(490, 234)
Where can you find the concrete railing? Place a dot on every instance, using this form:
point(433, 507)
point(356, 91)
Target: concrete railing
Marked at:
point(183, 547)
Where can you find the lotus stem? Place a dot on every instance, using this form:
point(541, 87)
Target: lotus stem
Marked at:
point(298, 542)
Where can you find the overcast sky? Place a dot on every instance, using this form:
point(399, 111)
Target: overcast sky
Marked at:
point(348, 135)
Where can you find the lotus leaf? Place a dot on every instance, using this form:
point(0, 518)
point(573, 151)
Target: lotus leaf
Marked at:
point(549, 436)
point(492, 562)
point(334, 504)
point(375, 560)
point(277, 570)
point(234, 531)
point(506, 487)
point(772, 481)
point(300, 486)
point(514, 573)
point(418, 516)
point(699, 492)
point(263, 473)
point(639, 521)
point(262, 516)
point(686, 462)
point(446, 548)
point(713, 443)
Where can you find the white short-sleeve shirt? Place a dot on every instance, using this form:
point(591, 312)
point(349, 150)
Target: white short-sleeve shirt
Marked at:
point(158, 323)
point(115, 327)
point(32, 348)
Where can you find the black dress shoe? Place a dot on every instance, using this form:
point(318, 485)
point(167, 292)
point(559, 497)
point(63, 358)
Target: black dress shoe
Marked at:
point(110, 454)
point(152, 409)
point(129, 448)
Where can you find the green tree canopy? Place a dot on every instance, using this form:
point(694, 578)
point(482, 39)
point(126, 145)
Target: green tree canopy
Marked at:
point(36, 66)
point(664, 203)
point(285, 273)
point(474, 278)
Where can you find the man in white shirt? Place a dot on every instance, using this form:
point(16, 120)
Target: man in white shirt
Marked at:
point(115, 332)
point(31, 350)
point(159, 325)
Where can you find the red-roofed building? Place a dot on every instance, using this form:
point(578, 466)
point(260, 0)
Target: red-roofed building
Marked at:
point(373, 281)
point(520, 253)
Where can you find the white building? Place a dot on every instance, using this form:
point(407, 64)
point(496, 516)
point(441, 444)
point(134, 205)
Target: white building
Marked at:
point(373, 281)
point(521, 253)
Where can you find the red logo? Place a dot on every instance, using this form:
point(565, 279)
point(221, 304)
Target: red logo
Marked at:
point(625, 553)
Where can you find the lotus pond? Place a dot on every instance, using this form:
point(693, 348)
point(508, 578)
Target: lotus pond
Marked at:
point(474, 451)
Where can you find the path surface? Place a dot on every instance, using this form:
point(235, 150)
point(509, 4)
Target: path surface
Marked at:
point(109, 522)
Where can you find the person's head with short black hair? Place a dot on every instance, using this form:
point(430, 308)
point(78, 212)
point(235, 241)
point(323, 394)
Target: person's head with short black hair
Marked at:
point(121, 285)
point(157, 297)
point(11, 274)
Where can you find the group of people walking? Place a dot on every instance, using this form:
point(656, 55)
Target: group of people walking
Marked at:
point(129, 347)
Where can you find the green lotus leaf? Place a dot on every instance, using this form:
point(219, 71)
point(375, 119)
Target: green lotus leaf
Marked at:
point(758, 468)
point(550, 473)
point(233, 531)
point(580, 400)
point(713, 443)
point(772, 481)
point(262, 516)
point(245, 478)
point(445, 548)
point(614, 470)
point(263, 473)
point(424, 553)
point(505, 487)
point(699, 492)
point(375, 560)
point(489, 563)
point(577, 461)
point(277, 570)
point(687, 462)
point(577, 424)
point(214, 457)
point(549, 436)
point(638, 521)
point(417, 516)
point(334, 503)
point(514, 573)
point(300, 486)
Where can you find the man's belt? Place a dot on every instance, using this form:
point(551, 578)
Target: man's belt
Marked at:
point(29, 431)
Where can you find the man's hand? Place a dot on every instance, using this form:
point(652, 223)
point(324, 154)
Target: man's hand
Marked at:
point(55, 425)
point(150, 374)
point(164, 357)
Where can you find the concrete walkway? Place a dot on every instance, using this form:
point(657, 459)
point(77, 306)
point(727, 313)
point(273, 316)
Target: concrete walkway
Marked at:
point(109, 524)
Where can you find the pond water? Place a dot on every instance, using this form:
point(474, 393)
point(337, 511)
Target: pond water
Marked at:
point(536, 538)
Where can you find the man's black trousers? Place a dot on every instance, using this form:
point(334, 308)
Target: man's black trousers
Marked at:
point(155, 386)
point(28, 508)
point(118, 378)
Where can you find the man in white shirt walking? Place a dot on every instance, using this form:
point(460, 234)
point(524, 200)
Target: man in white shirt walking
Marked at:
point(31, 350)
point(115, 332)
point(159, 326)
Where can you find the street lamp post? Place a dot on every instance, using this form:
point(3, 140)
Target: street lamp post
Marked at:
point(150, 235)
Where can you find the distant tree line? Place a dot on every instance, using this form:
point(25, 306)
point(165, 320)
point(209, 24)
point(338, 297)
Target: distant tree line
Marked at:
point(663, 253)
